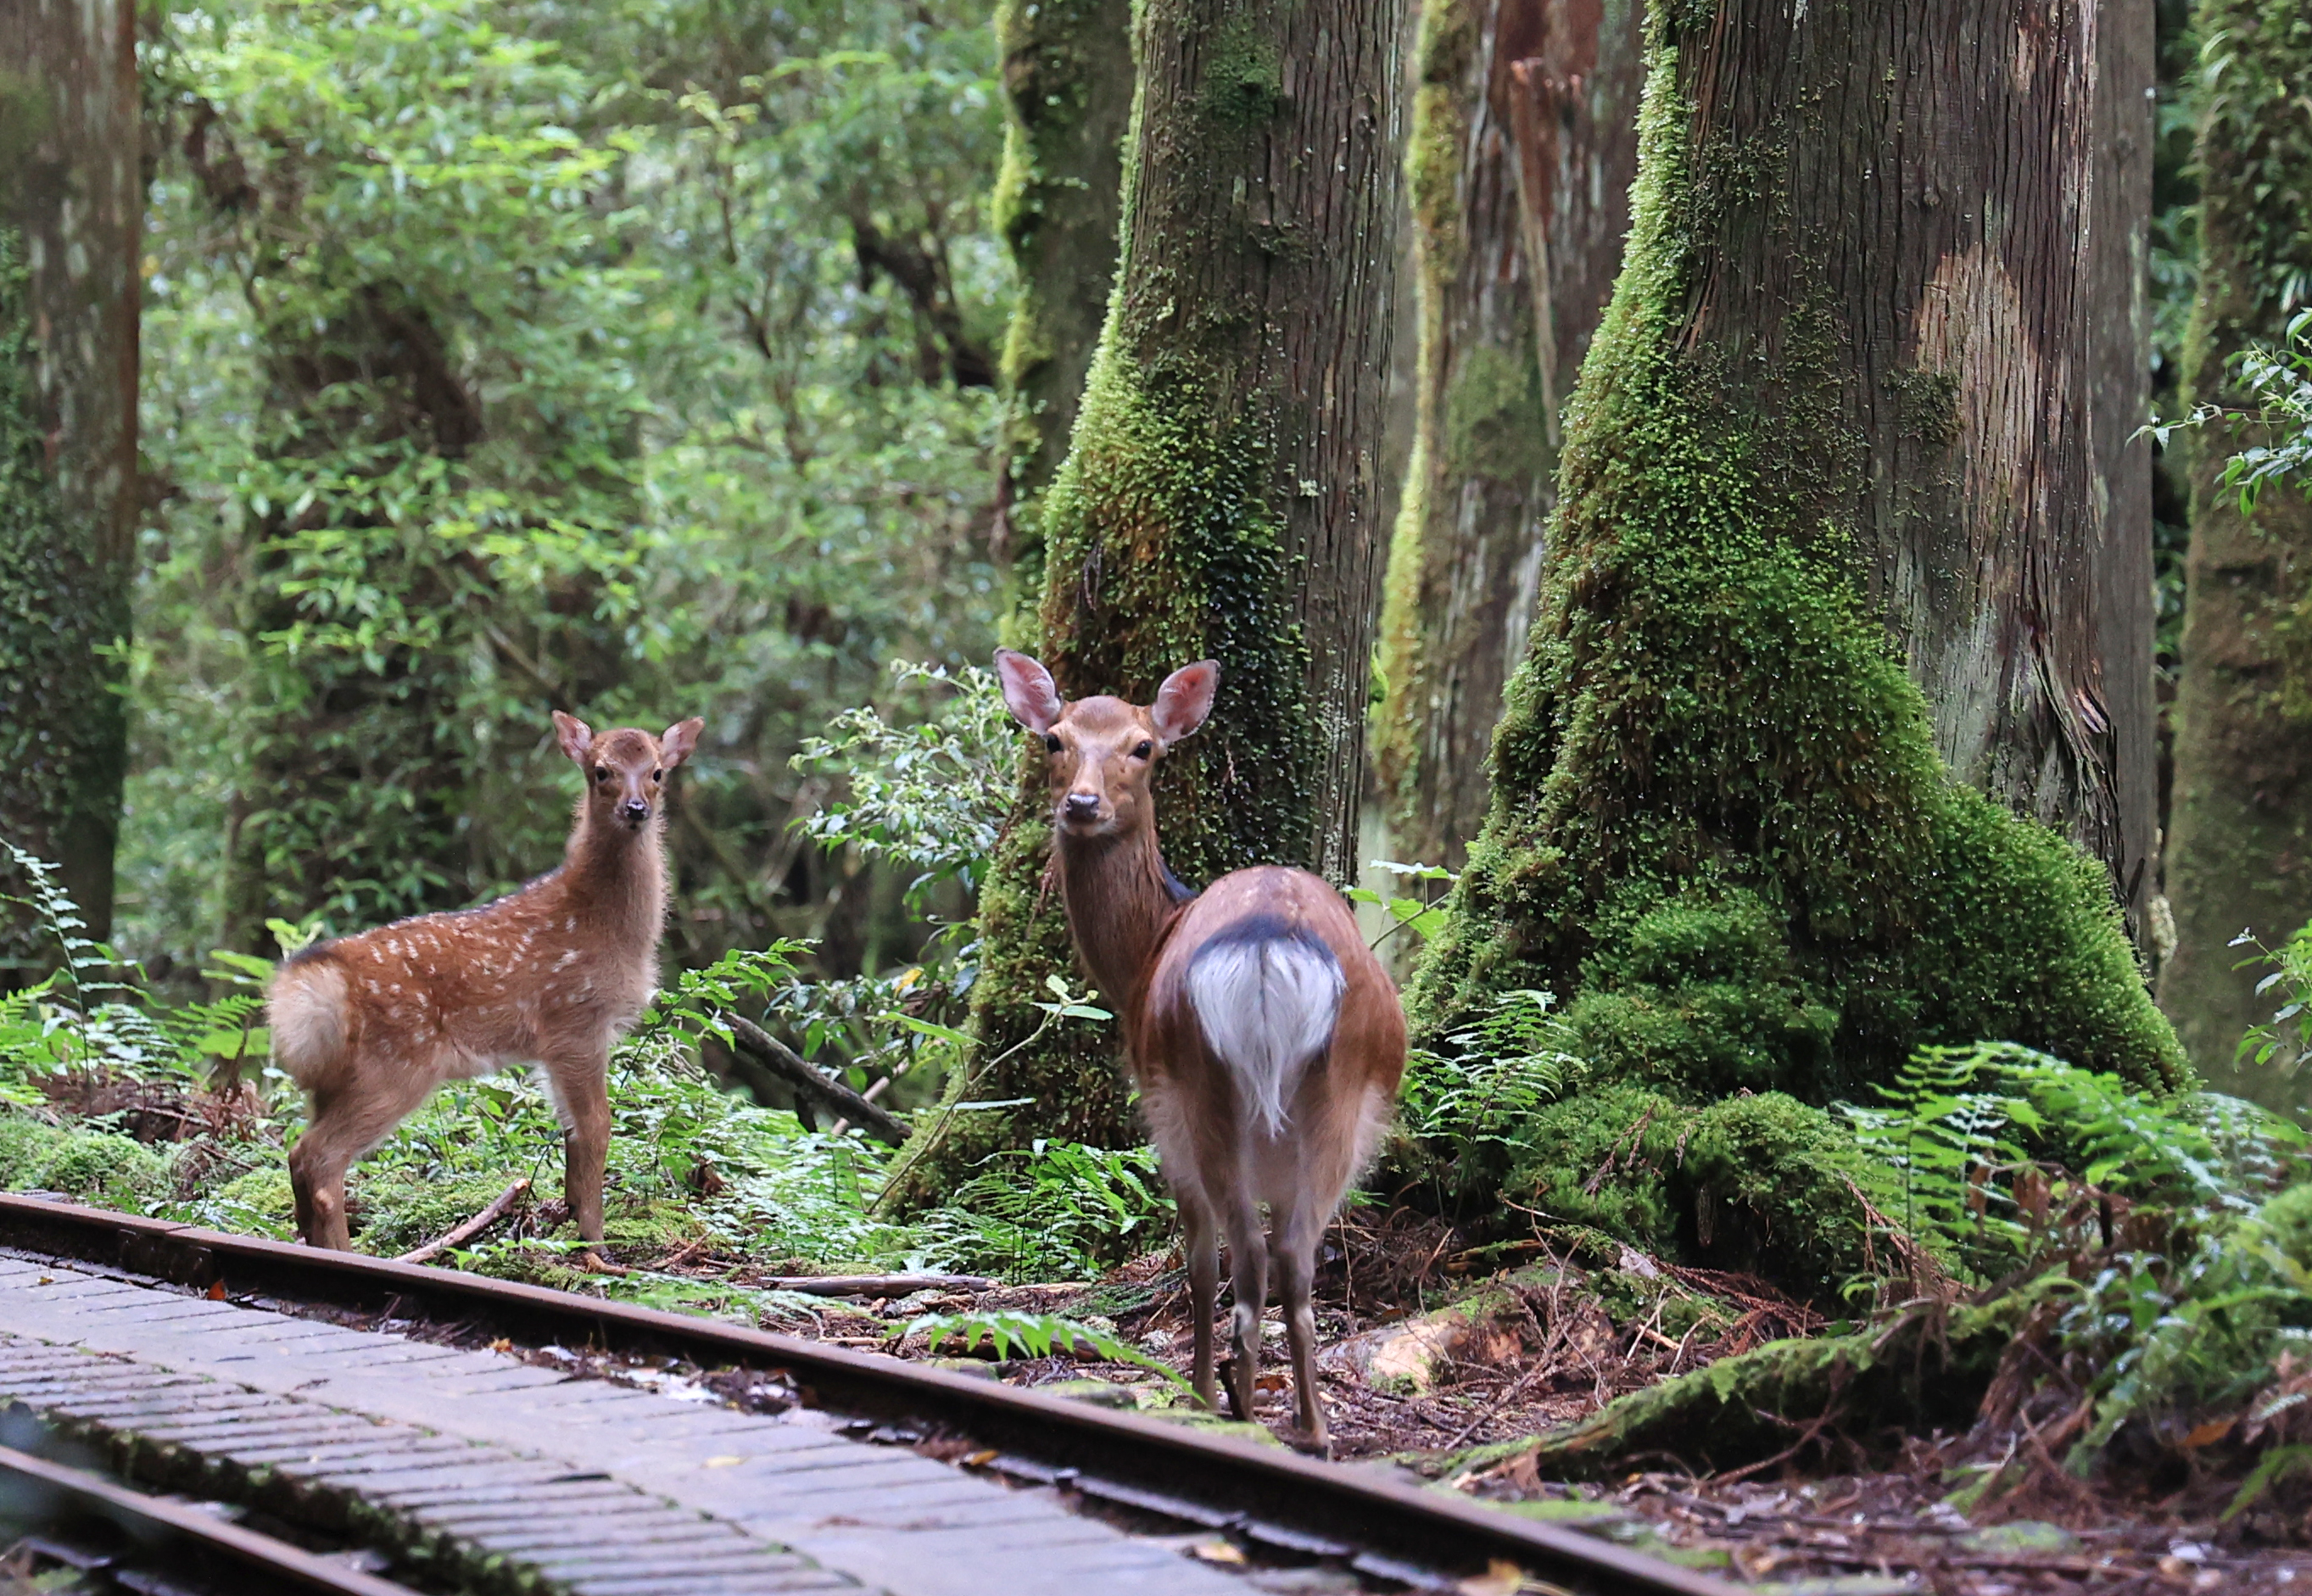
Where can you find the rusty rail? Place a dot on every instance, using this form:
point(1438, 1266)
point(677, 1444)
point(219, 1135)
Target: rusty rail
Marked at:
point(179, 1537)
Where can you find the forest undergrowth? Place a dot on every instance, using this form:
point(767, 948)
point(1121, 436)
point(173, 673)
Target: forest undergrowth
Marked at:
point(2060, 1298)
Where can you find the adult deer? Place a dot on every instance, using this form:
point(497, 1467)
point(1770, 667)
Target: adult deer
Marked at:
point(1266, 1040)
point(371, 1024)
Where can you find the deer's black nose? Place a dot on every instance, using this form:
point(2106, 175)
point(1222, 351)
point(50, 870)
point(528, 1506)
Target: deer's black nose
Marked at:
point(1082, 806)
point(636, 809)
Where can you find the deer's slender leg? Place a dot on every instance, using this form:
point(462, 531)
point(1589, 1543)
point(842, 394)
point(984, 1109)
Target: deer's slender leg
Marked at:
point(348, 1120)
point(1248, 1283)
point(581, 1092)
point(1298, 1234)
point(1200, 1246)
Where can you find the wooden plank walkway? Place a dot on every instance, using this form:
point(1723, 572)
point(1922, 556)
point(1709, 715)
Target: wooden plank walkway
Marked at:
point(604, 1489)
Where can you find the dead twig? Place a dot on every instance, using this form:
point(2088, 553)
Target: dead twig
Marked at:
point(871, 1285)
point(472, 1227)
point(798, 1073)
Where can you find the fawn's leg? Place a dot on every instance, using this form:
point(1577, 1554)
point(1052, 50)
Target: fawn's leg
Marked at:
point(1200, 1246)
point(349, 1118)
point(581, 1092)
point(1248, 1283)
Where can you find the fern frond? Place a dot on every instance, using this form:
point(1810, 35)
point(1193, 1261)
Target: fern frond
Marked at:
point(1038, 1335)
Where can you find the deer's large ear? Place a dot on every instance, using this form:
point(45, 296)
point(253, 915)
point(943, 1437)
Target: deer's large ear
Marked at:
point(1028, 691)
point(681, 739)
point(1185, 699)
point(574, 734)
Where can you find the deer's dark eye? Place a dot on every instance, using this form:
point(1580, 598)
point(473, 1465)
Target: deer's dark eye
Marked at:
point(601, 775)
point(656, 774)
point(1143, 750)
point(1051, 744)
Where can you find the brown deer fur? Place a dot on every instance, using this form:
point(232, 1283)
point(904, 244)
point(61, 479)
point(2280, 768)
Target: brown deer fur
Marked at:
point(1202, 984)
point(371, 1024)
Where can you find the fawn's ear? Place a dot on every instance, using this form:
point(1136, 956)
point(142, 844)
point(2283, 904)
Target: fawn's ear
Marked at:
point(680, 738)
point(1028, 691)
point(575, 735)
point(1185, 699)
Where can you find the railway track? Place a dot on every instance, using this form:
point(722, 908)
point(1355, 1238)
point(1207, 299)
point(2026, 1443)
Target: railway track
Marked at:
point(117, 1328)
point(133, 1540)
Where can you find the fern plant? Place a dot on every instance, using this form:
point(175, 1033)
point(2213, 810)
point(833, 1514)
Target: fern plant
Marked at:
point(1466, 1108)
point(1054, 1211)
point(1037, 1335)
point(1976, 1148)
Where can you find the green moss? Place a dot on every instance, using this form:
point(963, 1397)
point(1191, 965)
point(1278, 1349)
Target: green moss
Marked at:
point(263, 1198)
point(1720, 826)
point(1759, 1184)
point(1243, 82)
point(1494, 426)
point(394, 1210)
point(99, 1168)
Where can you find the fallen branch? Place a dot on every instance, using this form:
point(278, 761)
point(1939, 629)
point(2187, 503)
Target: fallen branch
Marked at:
point(790, 1066)
point(871, 1285)
point(472, 1227)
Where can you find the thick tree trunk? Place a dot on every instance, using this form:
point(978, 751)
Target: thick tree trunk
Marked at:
point(2240, 855)
point(1523, 144)
point(1217, 500)
point(1837, 422)
point(70, 208)
point(1067, 86)
point(2119, 395)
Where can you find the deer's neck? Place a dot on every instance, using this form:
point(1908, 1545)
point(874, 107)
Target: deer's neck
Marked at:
point(614, 878)
point(1119, 898)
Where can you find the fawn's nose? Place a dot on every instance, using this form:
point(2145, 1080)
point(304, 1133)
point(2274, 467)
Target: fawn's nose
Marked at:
point(635, 811)
point(1081, 806)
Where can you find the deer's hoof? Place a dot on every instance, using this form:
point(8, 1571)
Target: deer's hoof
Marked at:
point(1234, 1380)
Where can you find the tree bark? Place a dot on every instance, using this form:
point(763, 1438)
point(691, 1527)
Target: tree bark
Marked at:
point(1828, 535)
point(1216, 501)
point(2240, 856)
point(1523, 144)
point(71, 208)
point(1067, 88)
point(2119, 397)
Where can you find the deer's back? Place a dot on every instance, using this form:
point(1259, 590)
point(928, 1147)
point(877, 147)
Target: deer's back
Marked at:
point(484, 987)
point(1367, 1051)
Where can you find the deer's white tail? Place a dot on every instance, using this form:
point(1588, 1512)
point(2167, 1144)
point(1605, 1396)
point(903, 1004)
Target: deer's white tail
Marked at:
point(306, 1009)
point(1267, 994)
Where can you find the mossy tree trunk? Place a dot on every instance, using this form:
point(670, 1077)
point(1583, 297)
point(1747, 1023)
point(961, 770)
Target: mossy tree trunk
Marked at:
point(1217, 502)
point(1819, 608)
point(71, 208)
point(1067, 89)
point(1523, 143)
point(2240, 850)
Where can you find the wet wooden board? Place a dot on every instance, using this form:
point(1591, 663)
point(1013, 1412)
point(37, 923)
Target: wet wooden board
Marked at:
point(603, 1489)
